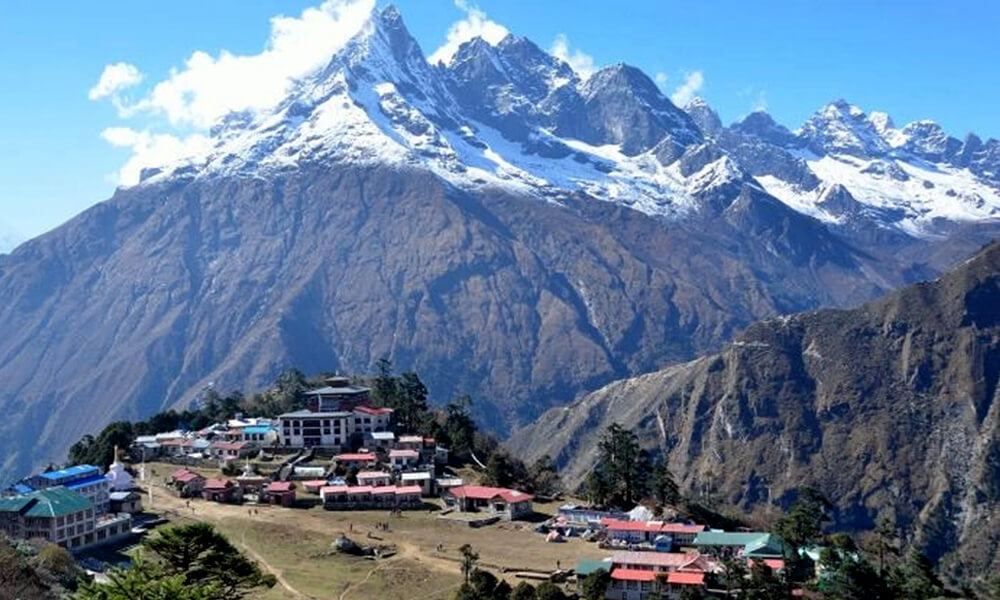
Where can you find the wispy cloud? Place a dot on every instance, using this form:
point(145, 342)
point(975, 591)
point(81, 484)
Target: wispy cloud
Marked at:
point(661, 79)
point(115, 78)
point(208, 87)
point(688, 89)
point(580, 61)
point(151, 150)
point(475, 24)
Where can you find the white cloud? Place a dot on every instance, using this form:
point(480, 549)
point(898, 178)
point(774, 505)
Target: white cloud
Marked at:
point(688, 89)
point(661, 79)
point(115, 78)
point(475, 24)
point(581, 62)
point(151, 150)
point(208, 87)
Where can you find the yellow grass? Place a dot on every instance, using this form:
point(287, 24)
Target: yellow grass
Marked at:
point(295, 544)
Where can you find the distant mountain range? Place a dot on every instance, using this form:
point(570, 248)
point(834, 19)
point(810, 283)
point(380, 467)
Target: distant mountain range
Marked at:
point(891, 409)
point(498, 223)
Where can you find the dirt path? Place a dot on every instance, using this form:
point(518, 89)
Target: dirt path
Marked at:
point(278, 575)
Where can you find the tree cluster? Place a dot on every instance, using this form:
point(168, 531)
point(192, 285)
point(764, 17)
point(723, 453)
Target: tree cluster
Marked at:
point(185, 562)
point(625, 473)
point(36, 570)
point(504, 470)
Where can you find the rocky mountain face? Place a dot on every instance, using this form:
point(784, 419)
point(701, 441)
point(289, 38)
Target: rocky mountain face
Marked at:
point(891, 409)
point(498, 223)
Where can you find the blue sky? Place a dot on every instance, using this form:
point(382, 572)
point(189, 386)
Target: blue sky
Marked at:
point(915, 59)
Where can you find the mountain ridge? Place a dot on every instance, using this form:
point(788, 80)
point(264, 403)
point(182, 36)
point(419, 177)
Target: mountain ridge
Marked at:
point(891, 409)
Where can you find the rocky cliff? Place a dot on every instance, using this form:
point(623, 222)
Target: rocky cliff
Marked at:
point(891, 409)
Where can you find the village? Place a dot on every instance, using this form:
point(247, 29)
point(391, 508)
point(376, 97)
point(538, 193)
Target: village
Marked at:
point(343, 456)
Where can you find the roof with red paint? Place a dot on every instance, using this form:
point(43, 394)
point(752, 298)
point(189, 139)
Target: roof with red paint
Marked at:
point(651, 526)
point(357, 457)
point(633, 575)
point(775, 564)
point(281, 486)
point(184, 475)
point(478, 492)
point(686, 578)
point(404, 454)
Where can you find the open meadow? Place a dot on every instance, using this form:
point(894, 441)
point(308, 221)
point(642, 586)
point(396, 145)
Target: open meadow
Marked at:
point(295, 545)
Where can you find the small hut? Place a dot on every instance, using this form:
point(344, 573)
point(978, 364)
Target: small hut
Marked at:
point(281, 493)
point(221, 490)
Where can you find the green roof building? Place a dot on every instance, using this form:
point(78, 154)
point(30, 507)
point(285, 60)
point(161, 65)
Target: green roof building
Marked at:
point(55, 514)
point(746, 544)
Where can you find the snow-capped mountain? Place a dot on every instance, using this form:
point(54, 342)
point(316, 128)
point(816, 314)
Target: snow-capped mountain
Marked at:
point(513, 116)
point(915, 179)
point(498, 223)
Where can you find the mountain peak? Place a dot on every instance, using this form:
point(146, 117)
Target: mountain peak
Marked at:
point(704, 116)
point(759, 124)
point(882, 121)
point(843, 128)
point(696, 102)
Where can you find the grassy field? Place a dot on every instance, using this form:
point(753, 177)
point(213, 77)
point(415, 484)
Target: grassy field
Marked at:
point(294, 544)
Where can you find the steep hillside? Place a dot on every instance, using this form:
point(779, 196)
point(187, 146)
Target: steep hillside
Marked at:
point(503, 225)
point(147, 299)
point(892, 409)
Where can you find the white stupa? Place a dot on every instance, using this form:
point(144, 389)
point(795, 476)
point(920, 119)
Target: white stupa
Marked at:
point(120, 479)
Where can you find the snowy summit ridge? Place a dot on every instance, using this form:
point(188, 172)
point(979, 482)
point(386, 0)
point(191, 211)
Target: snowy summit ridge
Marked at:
point(511, 115)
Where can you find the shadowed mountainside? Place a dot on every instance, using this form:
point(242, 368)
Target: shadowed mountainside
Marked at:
point(891, 409)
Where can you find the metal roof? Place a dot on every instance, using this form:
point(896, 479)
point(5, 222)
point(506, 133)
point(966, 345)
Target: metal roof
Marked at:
point(728, 538)
point(347, 389)
point(76, 471)
point(305, 414)
point(50, 502)
point(79, 483)
point(259, 429)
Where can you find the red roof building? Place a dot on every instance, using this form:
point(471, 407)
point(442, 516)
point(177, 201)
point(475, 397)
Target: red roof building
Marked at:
point(502, 502)
point(362, 497)
point(184, 476)
point(679, 578)
point(633, 575)
point(682, 534)
point(221, 490)
point(186, 483)
point(357, 459)
point(281, 493)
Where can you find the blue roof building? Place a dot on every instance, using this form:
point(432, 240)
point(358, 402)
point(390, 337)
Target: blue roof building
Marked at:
point(87, 480)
